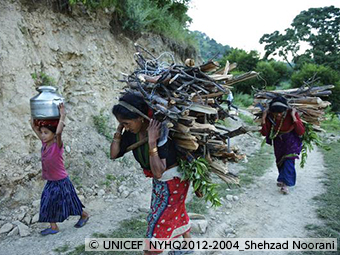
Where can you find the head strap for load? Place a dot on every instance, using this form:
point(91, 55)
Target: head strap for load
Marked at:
point(279, 104)
point(133, 109)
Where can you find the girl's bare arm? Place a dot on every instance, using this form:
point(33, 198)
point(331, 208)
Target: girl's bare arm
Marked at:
point(35, 129)
point(61, 124)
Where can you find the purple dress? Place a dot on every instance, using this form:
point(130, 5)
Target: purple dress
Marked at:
point(287, 148)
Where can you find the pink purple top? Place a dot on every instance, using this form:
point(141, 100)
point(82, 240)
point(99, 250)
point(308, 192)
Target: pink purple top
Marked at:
point(53, 168)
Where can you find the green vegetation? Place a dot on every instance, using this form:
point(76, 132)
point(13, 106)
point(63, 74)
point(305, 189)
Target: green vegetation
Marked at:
point(242, 100)
point(111, 178)
point(322, 60)
point(209, 48)
point(321, 75)
point(198, 173)
point(247, 119)
point(271, 73)
point(101, 123)
point(321, 33)
point(87, 163)
point(317, 66)
point(76, 180)
point(62, 249)
point(165, 17)
point(324, 74)
point(256, 166)
point(131, 228)
point(42, 79)
point(331, 122)
point(125, 161)
point(197, 205)
point(329, 202)
point(309, 139)
point(245, 61)
point(93, 4)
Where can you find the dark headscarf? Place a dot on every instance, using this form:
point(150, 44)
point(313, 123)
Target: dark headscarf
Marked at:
point(132, 99)
point(278, 104)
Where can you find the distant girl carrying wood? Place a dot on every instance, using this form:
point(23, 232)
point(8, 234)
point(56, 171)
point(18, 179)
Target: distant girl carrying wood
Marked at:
point(283, 128)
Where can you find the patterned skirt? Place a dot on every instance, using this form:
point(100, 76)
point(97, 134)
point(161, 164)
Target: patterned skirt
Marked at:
point(59, 200)
point(168, 218)
point(287, 173)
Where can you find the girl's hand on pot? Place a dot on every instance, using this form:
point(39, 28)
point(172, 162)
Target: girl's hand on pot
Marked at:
point(62, 111)
point(33, 124)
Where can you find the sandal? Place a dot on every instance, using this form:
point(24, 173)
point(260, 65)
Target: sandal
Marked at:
point(49, 231)
point(284, 190)
point(279, 184)
point(81, 222)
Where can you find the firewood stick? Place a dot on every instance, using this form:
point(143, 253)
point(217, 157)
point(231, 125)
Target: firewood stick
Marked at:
point(137, 144)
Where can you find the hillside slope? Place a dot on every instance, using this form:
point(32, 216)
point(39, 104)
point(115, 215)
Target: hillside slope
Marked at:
point(85, 57)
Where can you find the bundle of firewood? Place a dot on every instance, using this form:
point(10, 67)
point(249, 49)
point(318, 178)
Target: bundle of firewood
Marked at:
point(306, 100)
point(189, 99)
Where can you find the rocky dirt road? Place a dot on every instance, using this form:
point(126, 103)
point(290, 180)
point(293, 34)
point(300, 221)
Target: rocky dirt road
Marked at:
point(260, 211)
point(263, 212)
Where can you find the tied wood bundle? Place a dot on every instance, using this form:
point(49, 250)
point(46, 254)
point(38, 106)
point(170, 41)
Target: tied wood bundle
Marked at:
point(306, 100)
point(188, 99)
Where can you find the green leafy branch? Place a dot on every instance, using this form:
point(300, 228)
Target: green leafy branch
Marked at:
point(197, 171)
point(42, 79)
point(310, 137)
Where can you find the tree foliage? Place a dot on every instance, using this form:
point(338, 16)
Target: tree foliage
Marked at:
point(177, 8)
point(316, 74)
point(208, 47)
point(319, 75)
point(245, 61)
point(268, 73)
point(271, 73)
point(319, 28)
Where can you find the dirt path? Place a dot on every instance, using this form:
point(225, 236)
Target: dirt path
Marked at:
point(105, 217)
point(263, 212)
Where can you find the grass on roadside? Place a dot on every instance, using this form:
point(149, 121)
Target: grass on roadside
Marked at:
point(197, 205)
point(329, 202)
point(62, 249)
point(242, 100)
point(256, 166)
point(331, 123)
point(130, 228)
point(247, 119)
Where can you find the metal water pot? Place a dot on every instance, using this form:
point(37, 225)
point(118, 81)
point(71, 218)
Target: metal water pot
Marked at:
point(45, 104)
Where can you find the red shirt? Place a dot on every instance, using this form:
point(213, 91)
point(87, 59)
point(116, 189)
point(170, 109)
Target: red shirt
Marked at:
point(52, 162)
point(287, 125)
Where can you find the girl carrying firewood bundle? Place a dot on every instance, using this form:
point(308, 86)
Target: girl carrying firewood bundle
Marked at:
point(168, 218)
point(283, 129)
